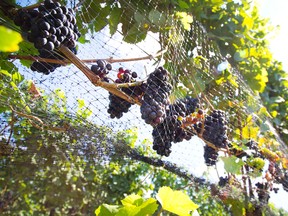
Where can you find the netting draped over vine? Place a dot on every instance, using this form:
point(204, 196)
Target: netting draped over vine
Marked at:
point(141, 36)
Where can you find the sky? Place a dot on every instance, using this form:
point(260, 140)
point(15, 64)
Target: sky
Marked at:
point(276, 11)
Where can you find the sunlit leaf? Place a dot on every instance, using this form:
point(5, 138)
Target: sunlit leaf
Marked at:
point(9, 40)
point(250, 132)
point(185, 19)
point(106, 210)
point(176, 202)
point(132, 199)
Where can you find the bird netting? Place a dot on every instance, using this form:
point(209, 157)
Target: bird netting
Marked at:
point(142, 66)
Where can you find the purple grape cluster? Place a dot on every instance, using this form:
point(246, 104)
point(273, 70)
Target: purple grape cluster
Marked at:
point(47, 28)
point(210, 155)
point(156, 97)
point(101, 69)
point(215, 132)
point(117, 105)
point(46, 67)
point(170, 130)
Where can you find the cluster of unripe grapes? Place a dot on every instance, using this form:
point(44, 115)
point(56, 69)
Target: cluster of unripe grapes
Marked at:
point(48, 27)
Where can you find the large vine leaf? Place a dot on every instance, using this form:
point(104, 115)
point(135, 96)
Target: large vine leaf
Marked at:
point(9, 40)
point(232, 164)
point(135, 34)
point(107, 210)
point(176, 202)
point(114, 19)
point(96, 14)
point(134, 205)
point(157, 18)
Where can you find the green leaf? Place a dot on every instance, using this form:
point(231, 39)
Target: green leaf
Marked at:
point(114, 19)
point(183, 4)
point(17, 77)
point(9, 40)
point(95, 14)
point(135, 34)
point(131, 136)
point(240, 55)
point(134, 205)
point(132, 199)
point(157, 18)
point(6, 73)
point(139, 18)
point(148, 207)
point(176, 202)
point(107, 210)
point(232, 164)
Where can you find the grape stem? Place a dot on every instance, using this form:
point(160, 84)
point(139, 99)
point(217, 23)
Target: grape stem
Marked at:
point(67, 61)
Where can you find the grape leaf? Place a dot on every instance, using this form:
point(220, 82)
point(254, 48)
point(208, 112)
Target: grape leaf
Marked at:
point(134, 206)
point(183, 4)
point(132, 199)
point(176, 202)
point(106, 210)
point(114, 19)
point(135, 34)
point(232, 164)
point(157, 18)
point(9, 40)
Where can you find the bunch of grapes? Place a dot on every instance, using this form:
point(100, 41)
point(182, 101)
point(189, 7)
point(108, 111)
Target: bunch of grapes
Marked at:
point(47, 28)
point(215, 132)
point(262, 191)
point(170, 130)
point(156, 97)
point(101, 69)
point(215, 129)
point(117, 105)
point(210, 155)
point(46, 67)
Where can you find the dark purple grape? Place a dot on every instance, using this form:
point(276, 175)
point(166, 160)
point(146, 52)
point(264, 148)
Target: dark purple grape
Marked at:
point(134, 75)
point(108, 66)
point(49, 46)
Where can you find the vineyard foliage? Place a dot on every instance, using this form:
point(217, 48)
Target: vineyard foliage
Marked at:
point(56, 161)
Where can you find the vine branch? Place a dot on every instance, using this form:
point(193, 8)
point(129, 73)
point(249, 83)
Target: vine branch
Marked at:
point(68, 61)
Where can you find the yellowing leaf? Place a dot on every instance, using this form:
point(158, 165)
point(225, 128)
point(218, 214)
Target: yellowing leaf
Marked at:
point(249, 132)
point(185, 19)
point(9, 40)
point(176, 202)
point(269, 154)
point(285, 163)
point(132, 199)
